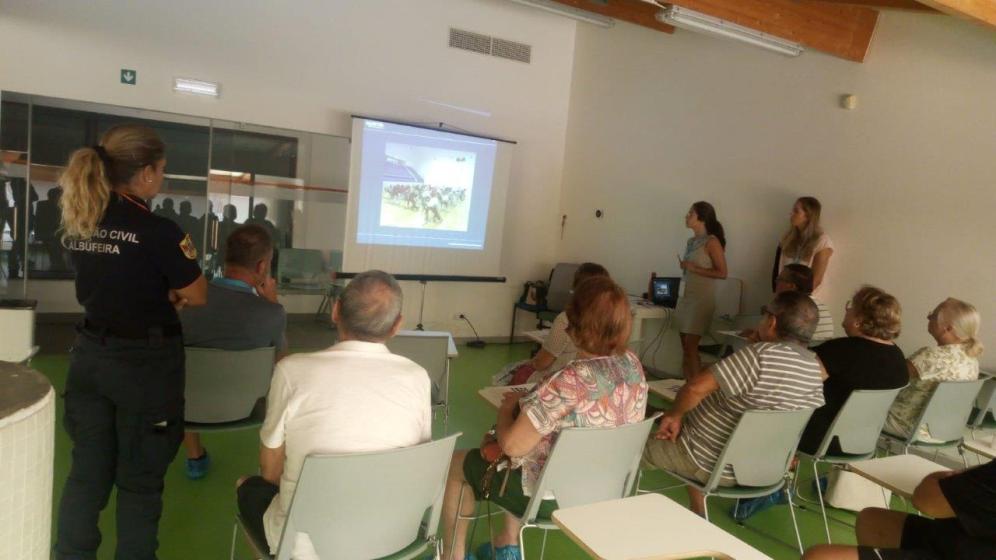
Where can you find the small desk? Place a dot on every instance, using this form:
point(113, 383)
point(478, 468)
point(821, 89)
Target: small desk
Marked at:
point(666, 388)
point(494, 394)
point(899, 473)
point(539, 337)
point(648, 527)
point(451, 349)
point(985, 447)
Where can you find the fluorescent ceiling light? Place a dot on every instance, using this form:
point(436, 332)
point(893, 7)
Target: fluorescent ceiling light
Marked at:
point(200, 87)
point(569, 11)
point(697, 21)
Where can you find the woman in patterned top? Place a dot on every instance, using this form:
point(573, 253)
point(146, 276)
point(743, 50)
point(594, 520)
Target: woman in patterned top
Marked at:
point(954, 324)
point(604, 386)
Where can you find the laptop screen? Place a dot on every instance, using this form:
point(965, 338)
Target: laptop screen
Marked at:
point(665, 291)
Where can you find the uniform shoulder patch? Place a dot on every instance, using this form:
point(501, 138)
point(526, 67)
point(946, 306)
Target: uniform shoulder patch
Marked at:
point(187, 246)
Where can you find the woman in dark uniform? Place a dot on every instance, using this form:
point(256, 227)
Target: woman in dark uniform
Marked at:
point(124, 393)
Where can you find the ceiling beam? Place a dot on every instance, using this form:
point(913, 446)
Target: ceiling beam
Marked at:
point(981, 11)
point(838, 30)
point(633, 11)
point(911, 5)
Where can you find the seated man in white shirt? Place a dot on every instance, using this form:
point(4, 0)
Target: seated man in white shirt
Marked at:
point(353, 397)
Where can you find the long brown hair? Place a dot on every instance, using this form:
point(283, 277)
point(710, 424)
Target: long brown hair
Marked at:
point(94, 171)
point(707, 215)
point(800, 243)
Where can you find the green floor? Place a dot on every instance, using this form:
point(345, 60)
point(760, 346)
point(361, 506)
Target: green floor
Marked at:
point(197, 518)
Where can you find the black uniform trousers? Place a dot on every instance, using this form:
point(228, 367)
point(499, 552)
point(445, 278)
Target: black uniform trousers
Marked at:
point(124, 414)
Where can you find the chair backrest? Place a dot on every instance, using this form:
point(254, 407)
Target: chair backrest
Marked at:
point(561, 282)
point(761, 447)
point(17, 333)
point(300, 265)
point(986, 401)
point(729, 297)
point(859, 422)
point(947, 410)
point(368, 505)
point(588, 465)
point(432, 353)
point(224, 385)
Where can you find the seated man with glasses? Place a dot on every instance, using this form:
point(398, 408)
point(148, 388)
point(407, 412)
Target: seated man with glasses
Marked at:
point(777, 373)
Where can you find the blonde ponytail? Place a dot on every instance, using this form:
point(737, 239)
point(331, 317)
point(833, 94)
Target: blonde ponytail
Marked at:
point(93, 172)
point(973, 348)
point(86, 193)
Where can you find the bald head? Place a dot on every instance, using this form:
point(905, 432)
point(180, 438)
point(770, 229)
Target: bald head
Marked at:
point(369, 308)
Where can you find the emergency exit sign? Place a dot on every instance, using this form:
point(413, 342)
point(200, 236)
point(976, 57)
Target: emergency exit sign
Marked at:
point(128, 77)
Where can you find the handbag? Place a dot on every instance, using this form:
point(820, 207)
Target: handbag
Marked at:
point(492, 454)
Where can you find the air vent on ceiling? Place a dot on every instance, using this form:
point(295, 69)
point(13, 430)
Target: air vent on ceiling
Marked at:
point(484, 44)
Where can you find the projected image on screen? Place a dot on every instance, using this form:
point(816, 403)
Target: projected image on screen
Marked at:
point(420, 187)
point(426, 187)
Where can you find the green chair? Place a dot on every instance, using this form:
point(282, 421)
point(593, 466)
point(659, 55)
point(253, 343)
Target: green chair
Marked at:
point(358, 506)
point(431, 351)
point(985, 402)
point(856, 429)
point(586, 465)
point(226, 389)
point(760, 450)
point(945, 416)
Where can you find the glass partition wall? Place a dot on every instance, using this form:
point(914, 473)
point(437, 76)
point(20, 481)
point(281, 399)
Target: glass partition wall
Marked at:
point(219, 175)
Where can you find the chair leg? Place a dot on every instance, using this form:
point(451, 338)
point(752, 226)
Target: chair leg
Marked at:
point(522, 540)
point(543, 548)
point(705, 506)
point(961, 451)
point(511, 333)
point(235, 534)
point(795, 523)
point(819, 494)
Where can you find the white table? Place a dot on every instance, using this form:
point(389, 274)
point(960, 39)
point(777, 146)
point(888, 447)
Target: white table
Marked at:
point(666, 388)
point(648, 527)
point(985, 447)
point(899, 473)
point(495, 394)
point(539, 337)
point(451, 349)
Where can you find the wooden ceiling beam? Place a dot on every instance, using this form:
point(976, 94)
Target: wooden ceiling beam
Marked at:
point(838, 30)
point(981, 11)
point(633, 11)
point(910, 5)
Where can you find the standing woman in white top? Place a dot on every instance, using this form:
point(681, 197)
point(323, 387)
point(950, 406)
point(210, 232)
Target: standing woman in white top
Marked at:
point(806, 243)
point(704, 262)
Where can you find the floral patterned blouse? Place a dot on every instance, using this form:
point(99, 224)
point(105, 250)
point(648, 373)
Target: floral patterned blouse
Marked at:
point(933, 364)
point(591, 393)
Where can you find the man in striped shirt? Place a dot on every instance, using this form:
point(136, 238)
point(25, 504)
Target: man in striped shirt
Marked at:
point(778, 373)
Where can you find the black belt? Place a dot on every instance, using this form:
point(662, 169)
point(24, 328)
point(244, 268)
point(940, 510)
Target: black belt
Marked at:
point(135, 333)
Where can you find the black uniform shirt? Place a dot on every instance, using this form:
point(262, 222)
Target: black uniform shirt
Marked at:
point(125, 271)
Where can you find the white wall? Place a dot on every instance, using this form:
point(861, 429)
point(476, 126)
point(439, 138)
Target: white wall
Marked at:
point(906, 179)
point(308, 66)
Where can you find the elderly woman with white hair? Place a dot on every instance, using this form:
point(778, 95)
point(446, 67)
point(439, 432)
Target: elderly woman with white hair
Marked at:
point(954, 324)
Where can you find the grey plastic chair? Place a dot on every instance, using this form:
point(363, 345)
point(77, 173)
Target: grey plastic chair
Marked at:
point(945, 416)
point(856, 429)
point(432, 353)
point(985, 402)
point(383, 504)
point(576, 476)
point(226, 389)
point(760, 450)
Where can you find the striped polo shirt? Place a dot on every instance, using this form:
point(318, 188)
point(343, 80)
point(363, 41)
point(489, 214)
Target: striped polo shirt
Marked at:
point(762, 376)
point(824, 324)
